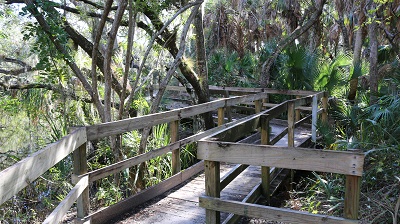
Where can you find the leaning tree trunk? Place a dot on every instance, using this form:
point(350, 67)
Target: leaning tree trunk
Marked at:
point(108, 80)
point(357, 53)
point(373, 57)
point(140, 181)
point(265, 69)
point(202, 70)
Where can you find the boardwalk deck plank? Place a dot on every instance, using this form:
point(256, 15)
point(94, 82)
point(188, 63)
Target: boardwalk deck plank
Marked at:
point(181, 205)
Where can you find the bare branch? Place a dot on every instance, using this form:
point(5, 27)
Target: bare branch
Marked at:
point(150, 46)
point(131, 34)
point(107, 59)
point(95, 55)
point(15, 72)
point(266, 66)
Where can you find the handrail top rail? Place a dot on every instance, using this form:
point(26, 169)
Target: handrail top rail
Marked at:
point(97, 131)
point(248, 90)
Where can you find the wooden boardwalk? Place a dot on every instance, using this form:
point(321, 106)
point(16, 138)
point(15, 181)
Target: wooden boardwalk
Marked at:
point(180, 205)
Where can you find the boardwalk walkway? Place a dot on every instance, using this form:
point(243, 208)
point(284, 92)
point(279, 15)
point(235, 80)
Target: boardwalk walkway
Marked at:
point(180, 205)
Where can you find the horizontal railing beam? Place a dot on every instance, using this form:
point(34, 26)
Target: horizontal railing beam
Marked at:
point(16, 177)
point(341, 162)
point(116, 167)
point(62, 209)
point(126, 125)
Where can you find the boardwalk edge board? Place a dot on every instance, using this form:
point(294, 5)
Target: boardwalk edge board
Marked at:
point(267, 212)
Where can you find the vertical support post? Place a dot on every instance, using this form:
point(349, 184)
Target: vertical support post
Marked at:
point(257, 106)
point(228, 109)
point(297, 111)
point(79, 168)
point(352, 197)
point(265, 170)
point(291, 122)
point(265, 100)
point(176, 161)
point(314, 118)
point(221, 116)
point(213, 189)
point(324, 117)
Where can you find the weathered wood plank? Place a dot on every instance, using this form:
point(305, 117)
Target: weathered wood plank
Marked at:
point(241, 90)
point(342, 162)
point(239, 131)
point(126, 125)
point(279, 136)
point(58, 213)
point(252, 197)
point(314, 118)
point(174, 134)
point(30, 168)
point(122, 126)
point(221, 116)
point(80, 167)
point(269, 213)
point(265, 170)
point(114, 211)
point(231, 175)
point(324, 100)
point(124, 164)
point(212, 186)
point(352, 197)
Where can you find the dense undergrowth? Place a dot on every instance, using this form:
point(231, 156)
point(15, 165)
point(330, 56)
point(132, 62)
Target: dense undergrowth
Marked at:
point(375, 131)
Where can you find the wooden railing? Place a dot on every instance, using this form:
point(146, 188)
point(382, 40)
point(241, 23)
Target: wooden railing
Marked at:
point(220, 148)
point(18, 176)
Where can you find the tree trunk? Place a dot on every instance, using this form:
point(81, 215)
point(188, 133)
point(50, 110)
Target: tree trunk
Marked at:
point(265, 69)
point(373, 57)
point(108, 81)
point(202, 70)
point(340, 4)
point(357, 53)
point(140, 182)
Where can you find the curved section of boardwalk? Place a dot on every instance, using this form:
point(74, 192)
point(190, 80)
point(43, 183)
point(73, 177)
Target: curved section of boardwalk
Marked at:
point(180, 206)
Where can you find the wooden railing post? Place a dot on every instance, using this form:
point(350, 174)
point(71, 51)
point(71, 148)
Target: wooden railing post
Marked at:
point(297, 111)
point(176, 161)
point(212, 182)
point(257, 106)
point(324, 116)
point(79, 168)
point(265, 100)
point(352, 195)
point(314, 118)
point(265, 170)
point(291, 122)
point(228, 109)
point(221, 116)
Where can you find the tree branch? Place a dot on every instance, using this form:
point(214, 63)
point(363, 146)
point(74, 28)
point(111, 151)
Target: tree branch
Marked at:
point(264, 76)
point(15, 72)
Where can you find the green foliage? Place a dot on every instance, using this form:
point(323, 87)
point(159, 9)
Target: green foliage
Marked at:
point(300, 68)
point(50, 58)
point(159, 168)
point(228, 69)
point(334, 75)
point(318, 194)
point(188, 155)
point(108, 194)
